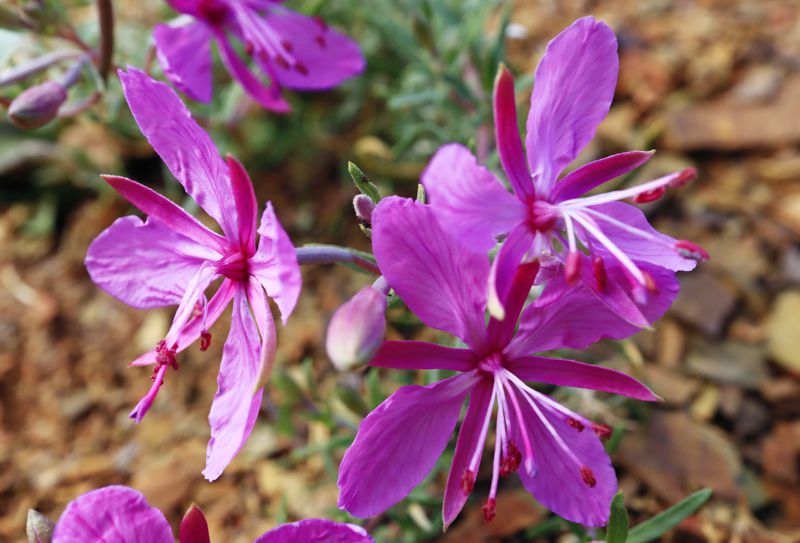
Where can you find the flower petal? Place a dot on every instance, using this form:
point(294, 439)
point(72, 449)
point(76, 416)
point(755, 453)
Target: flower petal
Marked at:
point(572, 93)
point(557, 482)
point(113, 513)
point(569, 373)
point(509, 144)
point(504, 268)
point(440, 281)
point(238, 398)
point(398, 444)
point(316, 531)
point(468, 200)
point(275, 263)
point(268, 97)
point(596, 173)
point(185, 148)
point(421, 355)
point(184, 53)
point(471, 440)
point(501, 331)
point(144, 264)
point(246, 206)
point(326, 57)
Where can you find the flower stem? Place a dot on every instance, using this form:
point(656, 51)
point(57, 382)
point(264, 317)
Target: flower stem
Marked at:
point(105, 15)
point(330, 254)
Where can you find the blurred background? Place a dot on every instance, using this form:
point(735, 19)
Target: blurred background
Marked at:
point(713, 84)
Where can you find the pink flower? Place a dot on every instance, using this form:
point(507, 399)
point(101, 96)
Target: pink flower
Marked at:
point(171, 258)
point(122, 515)
point(293, 50)
point(556, 452)
point(597, 241)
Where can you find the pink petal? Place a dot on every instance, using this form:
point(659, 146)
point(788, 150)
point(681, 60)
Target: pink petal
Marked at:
point(468, 200)
point(501, 331)
point(440, 281)
point(184, 53)
point(266, 326)
point(194, 527)
point(268, 97)
point(509, 144)
point(327, 57)
point(598, 172)
point(275, 263)
point(246, 206)
point(504, 268)
point(185, 148)
point(398, 444)
point(167, 212)
point(238, 398)
point(557, 481)
point(113, 513)
point(420, 355)
point(316, 531)
point(569, 373)
point(572, 93)
point(144, 264)
point(659, 251)
point(471, 439)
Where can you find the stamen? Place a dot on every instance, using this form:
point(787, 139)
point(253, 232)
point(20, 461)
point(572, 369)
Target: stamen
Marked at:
point(205, 340)
point(249, 48)
point(526, 443)
point(572, 269)
point(687, 249)
point(321, 41)
point(321, 23)
point(603, 431)
point(575, 423)
point(287, 45)
point(166, 356)
point(650, 195)
point(683, 178)
point(623, 259)
point(282, 62)
point(650, 283)
point(599, 269)
point(588, 477)
point(510, 462)
point(489, 509)
point(301, 68)
point(467, 481)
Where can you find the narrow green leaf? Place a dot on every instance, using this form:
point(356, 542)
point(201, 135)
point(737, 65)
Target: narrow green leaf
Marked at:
point(363, 183)
point(617, 530)
point(421, 196)
point(666, 520)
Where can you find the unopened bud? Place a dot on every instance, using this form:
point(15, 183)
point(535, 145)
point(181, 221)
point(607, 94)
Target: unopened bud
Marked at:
point(363, 206)
point(38, 105)
point(356, 330)
point(194, 528)
point(39, 528)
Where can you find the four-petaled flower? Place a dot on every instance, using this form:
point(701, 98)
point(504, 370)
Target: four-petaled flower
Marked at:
point(122, 515)
point(556, 452)
point(597, 241)
point(171, 258)
point(293, 50)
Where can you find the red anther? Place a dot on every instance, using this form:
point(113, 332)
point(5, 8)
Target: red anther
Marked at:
point(588, 477)
point(572, 269)
point(321, 41)
point(197, 310)
point(575, 423)
point(282, 62)
point(511, 460)
point(321, 23)
point(301, 68)
point(649, 195)
point(650, 283)
point(205, 340)
point(489, 510)
point(687, 249)
point(683, 178)
point(249, 48)
point(599, 269)
point(287, 45)
point(603, 431)
point(166, 356)
point(467, 481)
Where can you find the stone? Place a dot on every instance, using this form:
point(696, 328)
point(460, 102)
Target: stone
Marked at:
point(733, 363)
point(783, 331)
point(704, 302)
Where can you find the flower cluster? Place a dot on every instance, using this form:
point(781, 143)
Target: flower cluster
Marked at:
point(597, 266)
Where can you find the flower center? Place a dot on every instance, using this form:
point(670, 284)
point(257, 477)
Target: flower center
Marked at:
point(542, 216)
point(234, 266)
point(491, 364)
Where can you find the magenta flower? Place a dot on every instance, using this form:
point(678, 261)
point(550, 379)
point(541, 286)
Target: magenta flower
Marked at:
point(597, 241)
point(171, 258)
point(293, 50)
point(120, 514)
point(557, 453)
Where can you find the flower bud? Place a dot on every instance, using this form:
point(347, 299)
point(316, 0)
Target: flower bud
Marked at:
point(38, 527)
point(363, 206)
point(356, 329)
point(194, 528)
point(38, 105)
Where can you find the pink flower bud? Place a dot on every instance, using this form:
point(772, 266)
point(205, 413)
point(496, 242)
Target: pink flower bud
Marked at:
point(364, 206)
point(38, 105)
point(356, 329)
point(194, 528)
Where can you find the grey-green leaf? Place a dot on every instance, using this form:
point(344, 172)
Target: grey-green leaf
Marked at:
point(39, 527)
point(666, 520)
point(363, 183)
point(617, 530)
